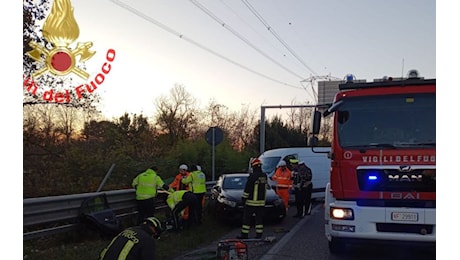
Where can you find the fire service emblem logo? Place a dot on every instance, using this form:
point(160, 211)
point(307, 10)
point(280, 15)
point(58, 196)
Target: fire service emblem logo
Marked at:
point(61, 29)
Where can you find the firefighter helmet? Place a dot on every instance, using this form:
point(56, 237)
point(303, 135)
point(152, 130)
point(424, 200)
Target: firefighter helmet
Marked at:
point(256, 162)
point(153, 221)
point(294, 161)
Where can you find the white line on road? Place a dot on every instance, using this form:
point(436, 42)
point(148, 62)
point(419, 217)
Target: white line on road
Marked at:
point(286, 238)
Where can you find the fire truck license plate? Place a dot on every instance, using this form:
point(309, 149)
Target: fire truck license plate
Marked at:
point(404, 216)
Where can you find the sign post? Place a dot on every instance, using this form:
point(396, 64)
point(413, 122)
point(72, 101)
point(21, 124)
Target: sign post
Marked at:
point(214, 136)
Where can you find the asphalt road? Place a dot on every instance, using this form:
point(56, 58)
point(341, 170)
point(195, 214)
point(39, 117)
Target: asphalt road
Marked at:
point(301, 239)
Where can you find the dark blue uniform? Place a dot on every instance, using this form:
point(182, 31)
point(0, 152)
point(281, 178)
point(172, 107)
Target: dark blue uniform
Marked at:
point(254, 202)
point(134, 243)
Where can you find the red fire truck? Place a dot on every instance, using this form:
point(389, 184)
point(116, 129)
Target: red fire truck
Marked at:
point(383, 162)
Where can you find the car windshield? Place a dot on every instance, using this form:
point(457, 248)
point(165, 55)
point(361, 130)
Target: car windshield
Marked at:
point(234, 183)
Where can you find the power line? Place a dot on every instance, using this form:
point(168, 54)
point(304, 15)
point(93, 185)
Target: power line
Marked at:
point(181, 36)
point(226, 26)
point(248, 25)
point(272, 31)
point(221, 22)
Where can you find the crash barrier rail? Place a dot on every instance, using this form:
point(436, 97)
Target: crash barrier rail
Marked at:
point(46, 216)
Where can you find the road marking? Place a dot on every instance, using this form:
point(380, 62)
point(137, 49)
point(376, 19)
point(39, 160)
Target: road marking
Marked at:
point(272, 253)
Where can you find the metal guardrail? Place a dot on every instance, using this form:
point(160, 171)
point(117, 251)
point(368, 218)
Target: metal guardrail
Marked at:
point(51, 215)
point(45, 216)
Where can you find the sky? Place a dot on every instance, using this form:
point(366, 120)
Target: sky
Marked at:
point(250, 53)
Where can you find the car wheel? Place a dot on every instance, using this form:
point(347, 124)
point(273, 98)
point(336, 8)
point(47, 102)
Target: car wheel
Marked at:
point(212, 208)
point(211, 204)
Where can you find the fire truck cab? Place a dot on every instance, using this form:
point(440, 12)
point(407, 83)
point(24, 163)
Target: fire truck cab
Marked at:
point(383, 162)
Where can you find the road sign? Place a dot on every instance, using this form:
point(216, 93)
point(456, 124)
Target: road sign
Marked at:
point(214, 135)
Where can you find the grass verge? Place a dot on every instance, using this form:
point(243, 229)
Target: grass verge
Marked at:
point(87, 244)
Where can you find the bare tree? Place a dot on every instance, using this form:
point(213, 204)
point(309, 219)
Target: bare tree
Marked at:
point(238, 125)
point(67, 122)
point(176, 114)
point(242, 130)
point(299, 118)
point(326, 129)
point(216, 114)
point(33, 13)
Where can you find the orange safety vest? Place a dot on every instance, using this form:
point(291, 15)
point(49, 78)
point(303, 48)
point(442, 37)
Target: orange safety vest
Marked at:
point(283, 178)
point(177, 184)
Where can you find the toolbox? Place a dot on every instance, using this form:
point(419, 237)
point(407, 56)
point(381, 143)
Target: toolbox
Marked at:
point(232, 249)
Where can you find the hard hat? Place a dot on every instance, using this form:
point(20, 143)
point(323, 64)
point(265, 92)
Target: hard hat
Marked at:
point(293, 161)
point(282, 163)
point(256, 162)
point(183, 167)
point(153, 221)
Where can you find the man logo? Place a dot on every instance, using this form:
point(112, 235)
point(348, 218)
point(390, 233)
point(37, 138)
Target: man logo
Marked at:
point(405, 168)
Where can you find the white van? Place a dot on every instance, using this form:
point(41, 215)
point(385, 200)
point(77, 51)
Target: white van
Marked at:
point(318, 162)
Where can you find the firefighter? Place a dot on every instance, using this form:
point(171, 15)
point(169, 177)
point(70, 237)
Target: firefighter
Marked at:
point(283, 178)
point(253, 199)
point(303, 189)
point(146, 185)
point(197, 184)
point(134, 242)
point(177, 184)
point(178, 201)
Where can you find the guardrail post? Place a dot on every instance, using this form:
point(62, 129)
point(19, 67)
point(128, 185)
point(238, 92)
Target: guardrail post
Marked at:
point(105, 178)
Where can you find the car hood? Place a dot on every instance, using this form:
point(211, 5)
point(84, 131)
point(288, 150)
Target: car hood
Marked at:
point(235, 195)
